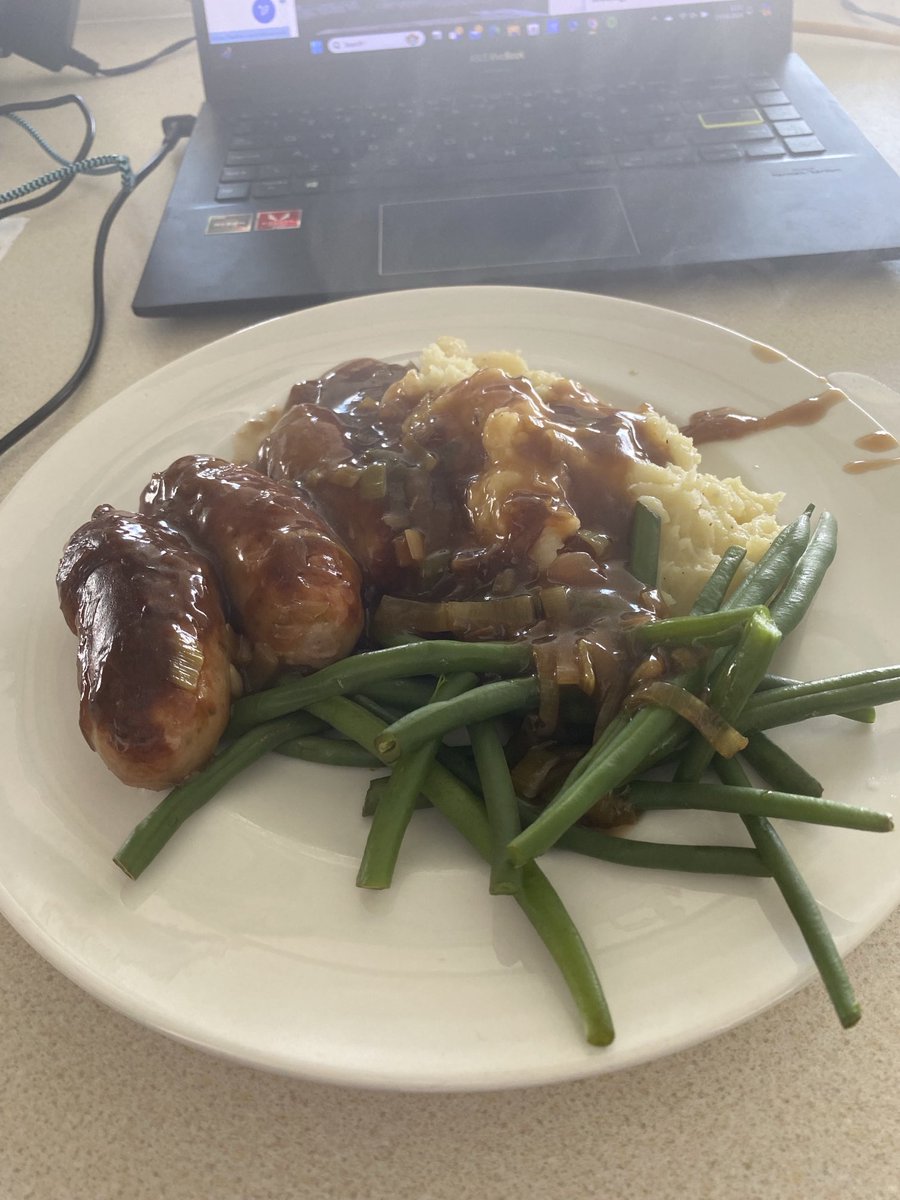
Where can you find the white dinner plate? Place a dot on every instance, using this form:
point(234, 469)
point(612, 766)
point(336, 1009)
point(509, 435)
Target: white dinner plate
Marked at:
point(247, 937)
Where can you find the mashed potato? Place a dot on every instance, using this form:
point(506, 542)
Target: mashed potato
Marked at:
point(701, 514)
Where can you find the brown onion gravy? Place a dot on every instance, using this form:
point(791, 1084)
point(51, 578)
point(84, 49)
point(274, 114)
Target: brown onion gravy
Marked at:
point(725, 424)
point(766, 354)
point(862, 466)
point(877, 442)
point(487, 479)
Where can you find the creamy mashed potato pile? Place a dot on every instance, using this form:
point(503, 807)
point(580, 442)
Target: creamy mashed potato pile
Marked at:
point(701, 514)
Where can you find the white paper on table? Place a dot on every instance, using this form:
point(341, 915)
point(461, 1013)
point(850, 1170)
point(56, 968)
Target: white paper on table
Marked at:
point(10, 228)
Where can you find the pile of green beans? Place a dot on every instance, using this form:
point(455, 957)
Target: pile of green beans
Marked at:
point(394, 708)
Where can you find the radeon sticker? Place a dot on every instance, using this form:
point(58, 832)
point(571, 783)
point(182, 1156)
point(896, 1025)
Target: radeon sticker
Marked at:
point(230, 223)
point(283, 218)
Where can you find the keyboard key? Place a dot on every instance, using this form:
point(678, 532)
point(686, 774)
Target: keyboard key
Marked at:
point(251, 141)
point(673, 137)
point(672, 156)
point(658, 158)
point(762, 83)
point(770, 99)
point(724, 153)
point(269, 188)
point(637, 158)
point(247, 158)
point(628, 143)
point(232, 191)
point(781, 112)
point(237, 174)
point(596, 162)
point(718, 101)
point(770, 149)
point(730, 119)
point(739, 133)
point(804, 145)
point(792, 128)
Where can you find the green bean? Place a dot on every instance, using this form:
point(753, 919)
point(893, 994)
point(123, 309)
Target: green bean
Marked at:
point(795, 689)
point(540, 902)
point(625, 754)
point(459, 762)
point(715, 587)
point(149, 837)
point(330, 751)
point(500, 804)
point(404, 694)
point(732, 685)
point(778, 768)
point(766, 712)
point(658, 734)
point(353, 675)
point(713, 593)
point(392, 816)
point(716, 628)
point(375, 793)
point(612, 731)
point(441, 717)
point(791, 603)
point(764, 579)
point(659, 856)
point(768, 682)
point(801, 902)
point(643, 561)
point(761, 802)
point(385, 712)
point(707, 601)
point(537, 897)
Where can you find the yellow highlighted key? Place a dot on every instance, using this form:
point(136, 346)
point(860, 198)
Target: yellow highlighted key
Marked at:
point(730, 118)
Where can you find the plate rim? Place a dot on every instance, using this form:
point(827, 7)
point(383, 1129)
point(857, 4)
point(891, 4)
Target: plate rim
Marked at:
point(115, 996)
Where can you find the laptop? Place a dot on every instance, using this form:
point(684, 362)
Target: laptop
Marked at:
point(366, 145)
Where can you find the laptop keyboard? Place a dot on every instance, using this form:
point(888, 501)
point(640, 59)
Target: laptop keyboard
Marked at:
point(291, 153)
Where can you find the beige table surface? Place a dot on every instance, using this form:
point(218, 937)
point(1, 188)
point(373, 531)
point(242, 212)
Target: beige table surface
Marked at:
point(93, 1106)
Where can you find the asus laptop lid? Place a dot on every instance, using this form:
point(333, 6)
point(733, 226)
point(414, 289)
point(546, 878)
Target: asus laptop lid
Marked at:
point(369, 146)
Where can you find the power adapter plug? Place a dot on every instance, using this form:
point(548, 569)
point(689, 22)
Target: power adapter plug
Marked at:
point(39, 30)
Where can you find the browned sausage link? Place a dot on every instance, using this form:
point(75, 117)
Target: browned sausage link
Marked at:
point(305, 446)
point(153, 647)
point(295, 589)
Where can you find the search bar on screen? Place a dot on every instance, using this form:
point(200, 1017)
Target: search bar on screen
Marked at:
point(407, 39)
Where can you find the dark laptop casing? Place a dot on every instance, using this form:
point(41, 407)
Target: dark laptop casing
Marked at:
point(557, 227)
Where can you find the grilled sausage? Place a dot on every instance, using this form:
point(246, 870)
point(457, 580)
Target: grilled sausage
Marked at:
point(295, 589)
point(153, 647)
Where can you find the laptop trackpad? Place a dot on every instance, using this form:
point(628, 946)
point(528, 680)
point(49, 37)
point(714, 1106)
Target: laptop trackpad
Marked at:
point(574, 225)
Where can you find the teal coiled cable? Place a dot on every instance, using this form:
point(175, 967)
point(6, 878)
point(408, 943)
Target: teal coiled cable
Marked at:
point(99, 164)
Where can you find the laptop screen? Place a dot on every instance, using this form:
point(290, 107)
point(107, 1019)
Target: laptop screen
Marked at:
point(320, 40)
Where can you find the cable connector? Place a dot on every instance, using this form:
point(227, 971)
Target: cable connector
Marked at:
point(75, 58)
point(177, 127)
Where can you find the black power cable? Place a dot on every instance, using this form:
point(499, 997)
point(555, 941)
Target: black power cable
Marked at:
point(174, 129)
point(84, 63)
point(850, 6)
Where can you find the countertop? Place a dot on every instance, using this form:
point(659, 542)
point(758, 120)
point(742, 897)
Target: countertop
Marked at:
point(94, 1106)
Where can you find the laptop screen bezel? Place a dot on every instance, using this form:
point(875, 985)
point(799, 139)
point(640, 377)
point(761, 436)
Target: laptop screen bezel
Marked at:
point(284, 72)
